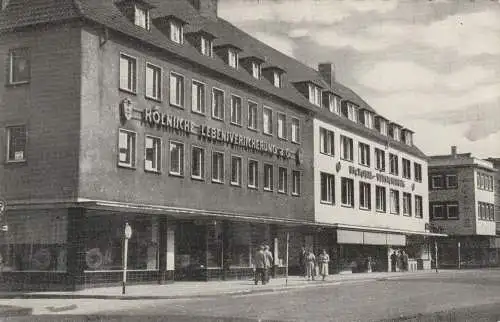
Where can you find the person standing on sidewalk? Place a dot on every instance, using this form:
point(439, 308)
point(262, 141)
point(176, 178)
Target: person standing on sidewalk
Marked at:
point(405, 261)
point(302, 262)
point(323, 260)
point(310, 265)
point(260, 266)
point(394, 259)
point(269, 261)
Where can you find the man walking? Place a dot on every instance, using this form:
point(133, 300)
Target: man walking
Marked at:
point(260, 266)
point(269, 261)
point(394, 259)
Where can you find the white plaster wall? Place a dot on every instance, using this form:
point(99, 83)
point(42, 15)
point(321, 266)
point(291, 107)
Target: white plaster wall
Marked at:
point(483, 227)
point(338, 214)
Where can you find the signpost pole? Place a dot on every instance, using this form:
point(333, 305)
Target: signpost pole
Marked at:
point(128, 234)
point(459, 259)
point(436, 252)
point(286, 268)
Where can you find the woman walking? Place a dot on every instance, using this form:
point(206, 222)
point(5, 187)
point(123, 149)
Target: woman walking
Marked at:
point(323, 260)
point(310, 263)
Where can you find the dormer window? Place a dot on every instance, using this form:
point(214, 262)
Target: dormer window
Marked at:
point(381, 125)
point(350, 111)
point(368, 119)
point(176, 32)
point(141, 17)
point(395, 132)
point(407, 137)
point(331, 102)
point(274, 75)
point(277, 79)
point(172, 27)
point(232, 58)
point(256, 70)
point(206, 46)
point(314, 95)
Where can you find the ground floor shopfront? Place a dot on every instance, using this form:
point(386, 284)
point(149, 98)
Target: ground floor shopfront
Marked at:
point(468, 251)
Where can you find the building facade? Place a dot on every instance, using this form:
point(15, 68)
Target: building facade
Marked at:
point(165, 117)
point(461, 203)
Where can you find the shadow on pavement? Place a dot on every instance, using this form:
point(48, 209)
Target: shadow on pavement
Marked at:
point(128, 318)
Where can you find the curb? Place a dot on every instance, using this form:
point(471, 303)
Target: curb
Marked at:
point(8, 311)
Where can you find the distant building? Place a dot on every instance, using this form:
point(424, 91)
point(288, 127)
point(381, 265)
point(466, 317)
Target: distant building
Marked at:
point(462, 203)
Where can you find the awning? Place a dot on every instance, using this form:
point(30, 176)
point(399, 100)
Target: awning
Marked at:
point(370, 238)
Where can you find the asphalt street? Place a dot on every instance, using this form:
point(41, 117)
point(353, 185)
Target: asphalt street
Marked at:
point(473, 296)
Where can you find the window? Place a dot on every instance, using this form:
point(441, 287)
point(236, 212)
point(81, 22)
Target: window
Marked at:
point(438, 212)
point(217, 104)
point(380, 159)
point(153, 81)
point(256, 70)
point(236, 171)
point(252, 115)
point(176, 90)
point(126, 145)
point(295, 183)
point(418, 172)
point(16, 143)
point(452, 211)
point(418, 207)
point(152, 160)
point(408, 138)
point(406, 204)
point(394, 164)
point(206, 45)
point(327, 188)
point(314, 95)
point(197, 163)
point(176, 32)
point(486, 211)
point(368, 117)
point(381, 125)
point(365, 196)
point(351, 112)
point(19, 66)
point(394, 199)
point(232, 58)
point(295, 130)
point(281, 126)
point(346, 148)
point(380, 198)
point(267, 121)
point(326, 141)
point(176, 158)
point(198, 97)
point(364, 154)
point(282, 180)
point(406, 168)
point(235, 110)
point(141, 17)
point(347, 190)
point(268, 177)
point(128, 73)
point(253, 173)
point(218, 167)
point(277, 79)
point(334, 104)
point(437, 182)
point(397, 133)
point(451, 181)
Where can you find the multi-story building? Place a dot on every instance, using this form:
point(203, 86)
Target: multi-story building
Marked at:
point(461, 203)
point(496, 187)
point(163, 116)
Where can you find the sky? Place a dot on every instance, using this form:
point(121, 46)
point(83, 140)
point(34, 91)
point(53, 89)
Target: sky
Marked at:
point(431, 65)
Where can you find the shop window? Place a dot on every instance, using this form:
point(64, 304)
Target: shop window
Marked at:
point(104, 242)
point(364, 154)
point(282, 180)
point(394, 199)
point(406, 204)
point(217, 104)
point(19, 66)
point(253, 173)
point(252, 115)
point(127, 148)
point(380, 159)
point(218, 167)
point(128, 73)
point(380, 198)
point(176, 90)
point(347, 190)
point(152, 160)
point(153, 82)
point(198, 163)
point(296, 183)
point(267, 121)
point(236, 171)
point(418, 207)
point(281, 126)
point(327, 188)
point(198, 97)
point(393, 164)
point(268, 177)
point(236, 110)
point(16, 143)
point(365, 196)
point(326, 142)
point(295, 130)
point(176, 158)
point(406, 168)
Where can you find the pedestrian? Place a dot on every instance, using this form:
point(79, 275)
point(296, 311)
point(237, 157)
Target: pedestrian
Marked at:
point(260, 266)
point(405, 261)
point(394, 259)
point(302, 261)
point(310, 265)
point(269, 261)
point(400, 261)
point(323, 260)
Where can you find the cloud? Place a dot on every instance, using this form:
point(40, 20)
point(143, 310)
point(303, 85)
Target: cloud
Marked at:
point(278, 42)
point(331, 38)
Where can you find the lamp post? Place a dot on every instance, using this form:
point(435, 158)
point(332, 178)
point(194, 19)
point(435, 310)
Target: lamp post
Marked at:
point(459, 259)
point(436, 252)
point(128, 234)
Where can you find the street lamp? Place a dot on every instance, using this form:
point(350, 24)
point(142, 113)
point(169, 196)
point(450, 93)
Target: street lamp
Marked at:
point(128, 234)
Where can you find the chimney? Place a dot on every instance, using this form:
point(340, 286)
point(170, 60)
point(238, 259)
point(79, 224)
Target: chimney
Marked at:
point(454, 151)
point(207, 8)
point(327, 71)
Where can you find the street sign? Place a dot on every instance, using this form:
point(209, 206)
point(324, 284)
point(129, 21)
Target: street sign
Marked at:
point(128, 231)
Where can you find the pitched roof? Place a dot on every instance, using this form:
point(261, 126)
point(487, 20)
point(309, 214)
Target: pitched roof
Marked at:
point(21, 13)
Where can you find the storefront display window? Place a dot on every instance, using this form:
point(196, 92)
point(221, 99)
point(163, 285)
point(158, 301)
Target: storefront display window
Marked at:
point(104, 244)
point(35, 241)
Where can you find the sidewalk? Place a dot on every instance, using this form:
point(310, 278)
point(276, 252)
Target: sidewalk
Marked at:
point(179, 290)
